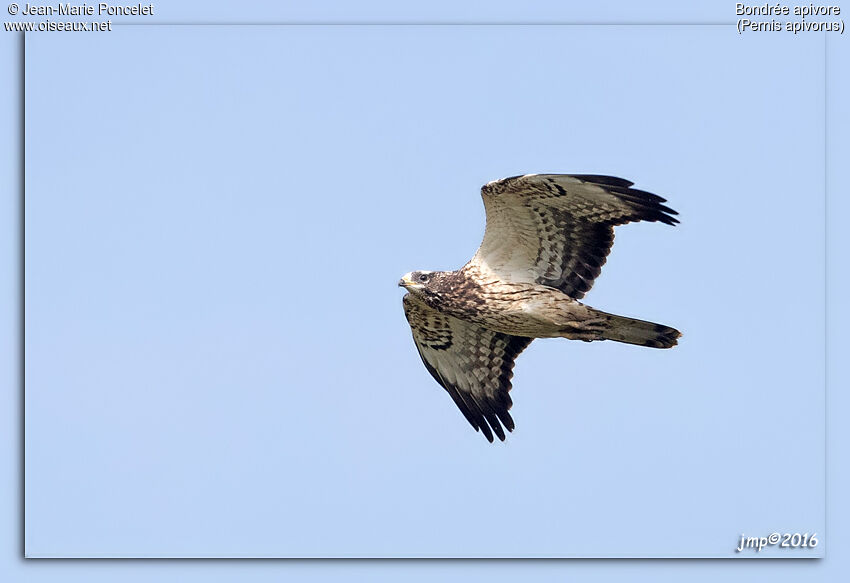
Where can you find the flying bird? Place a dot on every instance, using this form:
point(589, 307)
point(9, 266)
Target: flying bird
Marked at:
point(546, 239)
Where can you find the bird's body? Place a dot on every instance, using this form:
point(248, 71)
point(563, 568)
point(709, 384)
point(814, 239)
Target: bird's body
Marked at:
point(520, 309)
point(547, 237)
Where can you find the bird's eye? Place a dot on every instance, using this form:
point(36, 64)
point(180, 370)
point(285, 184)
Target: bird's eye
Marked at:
point(423, 278)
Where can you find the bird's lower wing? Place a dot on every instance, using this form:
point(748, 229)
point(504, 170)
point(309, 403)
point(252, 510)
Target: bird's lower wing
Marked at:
point(557, 229)
point(473, 364)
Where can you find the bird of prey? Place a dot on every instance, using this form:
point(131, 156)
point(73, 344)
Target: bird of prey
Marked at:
point(546, 239)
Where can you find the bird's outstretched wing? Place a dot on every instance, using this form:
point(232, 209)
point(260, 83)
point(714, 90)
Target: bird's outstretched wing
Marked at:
point(557, 229)
point(473, 364)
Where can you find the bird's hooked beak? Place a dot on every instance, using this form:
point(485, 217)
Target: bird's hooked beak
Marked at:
point(408, 283)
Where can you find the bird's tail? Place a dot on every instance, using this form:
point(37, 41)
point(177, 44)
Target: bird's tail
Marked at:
point(632, 331)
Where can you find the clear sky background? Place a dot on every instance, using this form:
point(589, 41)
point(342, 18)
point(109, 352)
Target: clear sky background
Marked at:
point(217, 361)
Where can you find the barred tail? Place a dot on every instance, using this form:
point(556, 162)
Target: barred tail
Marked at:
point(640, 332)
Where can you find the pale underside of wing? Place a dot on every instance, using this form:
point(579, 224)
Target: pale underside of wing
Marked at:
point(557, 229)
point(473, 364)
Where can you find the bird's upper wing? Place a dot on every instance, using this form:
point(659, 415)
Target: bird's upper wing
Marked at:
point(473, 364)
point(557, 229)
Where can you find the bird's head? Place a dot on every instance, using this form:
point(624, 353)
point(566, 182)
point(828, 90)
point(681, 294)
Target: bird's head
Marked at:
point(421, 282)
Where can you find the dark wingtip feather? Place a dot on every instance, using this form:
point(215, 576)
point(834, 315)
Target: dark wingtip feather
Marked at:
point(637, 194)
point(661, 217)
point(485, 429)
point(603, 180)
point(507, 420)
point(647, 204)
point(497, 427)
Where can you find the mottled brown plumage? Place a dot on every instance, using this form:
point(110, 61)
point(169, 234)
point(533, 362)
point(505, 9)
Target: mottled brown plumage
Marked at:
point(546, 240)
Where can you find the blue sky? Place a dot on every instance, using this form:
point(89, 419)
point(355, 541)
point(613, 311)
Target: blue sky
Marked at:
point(239, 407)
